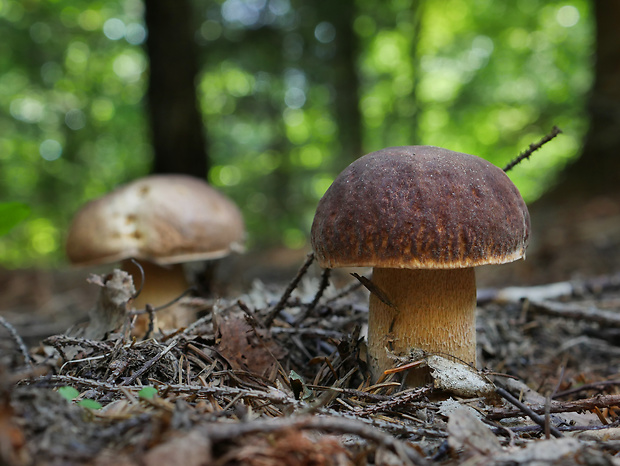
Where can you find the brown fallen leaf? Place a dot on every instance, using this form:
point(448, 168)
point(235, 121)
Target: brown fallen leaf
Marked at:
point(467, 432)
point(247, 348)
point(289, 448)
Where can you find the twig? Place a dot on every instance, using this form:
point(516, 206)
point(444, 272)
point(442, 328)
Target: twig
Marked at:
point(525, 409)
point(577, 312)
point(350, 288)
point(395, 401)
point(163, 306)
point(322, 287)
point(601, 401)
point(141, 269)
point(551, 290)
point(589, 386)
point(537, 428)
point(308, 332)
point(150, 310)
point(273, 395)
point(287, 293)
point(64, 340)
point(373, 289)
point(149, 364)
point(17, 340)
point(532, 148)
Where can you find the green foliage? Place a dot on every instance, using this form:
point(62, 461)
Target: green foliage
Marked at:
point(11, 214)
point(477, 76)
point(90, 404)
point(147, 393)
point(70, 394)
point(71, 123)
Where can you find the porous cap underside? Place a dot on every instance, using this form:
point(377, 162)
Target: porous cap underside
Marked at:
point(165, 219)
point(420, 207)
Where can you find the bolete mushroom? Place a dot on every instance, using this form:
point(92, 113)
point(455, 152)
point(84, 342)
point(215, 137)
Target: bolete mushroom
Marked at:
point(423, 217)
point(162, 221)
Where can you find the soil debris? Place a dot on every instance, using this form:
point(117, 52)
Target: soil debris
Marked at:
point(278, 376)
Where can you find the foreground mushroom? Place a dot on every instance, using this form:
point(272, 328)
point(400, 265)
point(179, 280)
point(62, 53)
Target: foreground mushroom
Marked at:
point(423, 217)
point(162, 221)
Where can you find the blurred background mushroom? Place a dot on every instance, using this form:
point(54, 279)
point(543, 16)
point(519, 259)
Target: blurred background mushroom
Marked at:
point(163, 222)
point(423, 217)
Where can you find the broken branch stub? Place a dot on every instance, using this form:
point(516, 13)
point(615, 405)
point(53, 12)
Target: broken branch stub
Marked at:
point(110, 310)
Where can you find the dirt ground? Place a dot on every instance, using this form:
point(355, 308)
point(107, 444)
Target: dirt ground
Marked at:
point(263, 377)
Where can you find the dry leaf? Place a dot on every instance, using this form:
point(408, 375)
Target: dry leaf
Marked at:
point(458, 378)
point(468, 432)
point(294, 448)
point(246, 348)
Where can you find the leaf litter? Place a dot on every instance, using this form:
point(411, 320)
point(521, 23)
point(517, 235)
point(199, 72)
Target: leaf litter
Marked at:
point(279, 377)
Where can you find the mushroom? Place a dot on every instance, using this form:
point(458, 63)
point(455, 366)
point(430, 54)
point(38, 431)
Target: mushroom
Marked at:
point(423, 217)
point(162, 221)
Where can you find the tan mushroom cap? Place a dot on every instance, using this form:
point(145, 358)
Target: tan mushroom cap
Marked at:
point(420, 207)
point(165, 219)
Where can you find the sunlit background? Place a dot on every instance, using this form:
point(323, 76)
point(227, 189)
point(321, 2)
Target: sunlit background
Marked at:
point(481, 77)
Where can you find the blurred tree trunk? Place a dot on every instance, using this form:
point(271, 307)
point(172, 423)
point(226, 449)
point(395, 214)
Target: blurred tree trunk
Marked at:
point(345, 79)
point(597, 171)
point(576, 225)
point(178, 137)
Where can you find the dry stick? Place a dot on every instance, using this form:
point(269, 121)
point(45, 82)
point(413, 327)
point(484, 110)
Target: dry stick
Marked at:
point(395, 401)
point(272, 395)
point(533, 147)
point(220, 432)
point(563, 428)
point(17, 340)
point(373, 289)
point(164, 306)
point(64, 340)
point(150, 310)
point(287, 293)
point(141, 269)
point(550, 397)
point(149, 364)
point(587, 404)
point(589, 386)
point(533, 416)
point(577, 312)
point(551, 290)
point(319, 294)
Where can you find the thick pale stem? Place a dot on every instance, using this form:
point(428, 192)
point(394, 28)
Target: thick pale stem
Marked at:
point(162, 284)
point(432, 310)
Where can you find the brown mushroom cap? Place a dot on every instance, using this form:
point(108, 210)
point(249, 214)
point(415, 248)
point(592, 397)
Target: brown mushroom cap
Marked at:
point(420, 207)
point(165, 219)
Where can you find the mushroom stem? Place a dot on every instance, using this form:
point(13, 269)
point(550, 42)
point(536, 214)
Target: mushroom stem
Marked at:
point(432, 310)
point(162, 284)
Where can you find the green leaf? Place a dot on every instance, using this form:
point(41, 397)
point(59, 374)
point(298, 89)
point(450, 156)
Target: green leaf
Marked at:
point(11, 213)
point(68, 393)
point(90, 404)
point(147, 393)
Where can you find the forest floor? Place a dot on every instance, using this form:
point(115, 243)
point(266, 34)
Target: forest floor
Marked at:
point(275, 373)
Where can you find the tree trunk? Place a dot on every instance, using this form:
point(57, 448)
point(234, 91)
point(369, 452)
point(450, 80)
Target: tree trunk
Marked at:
point(346, 81)
point(341, 72)
point(576, 225)
point(597, 171)
point(178, 138)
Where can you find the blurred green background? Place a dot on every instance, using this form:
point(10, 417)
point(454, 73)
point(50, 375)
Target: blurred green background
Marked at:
point(481, 77)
